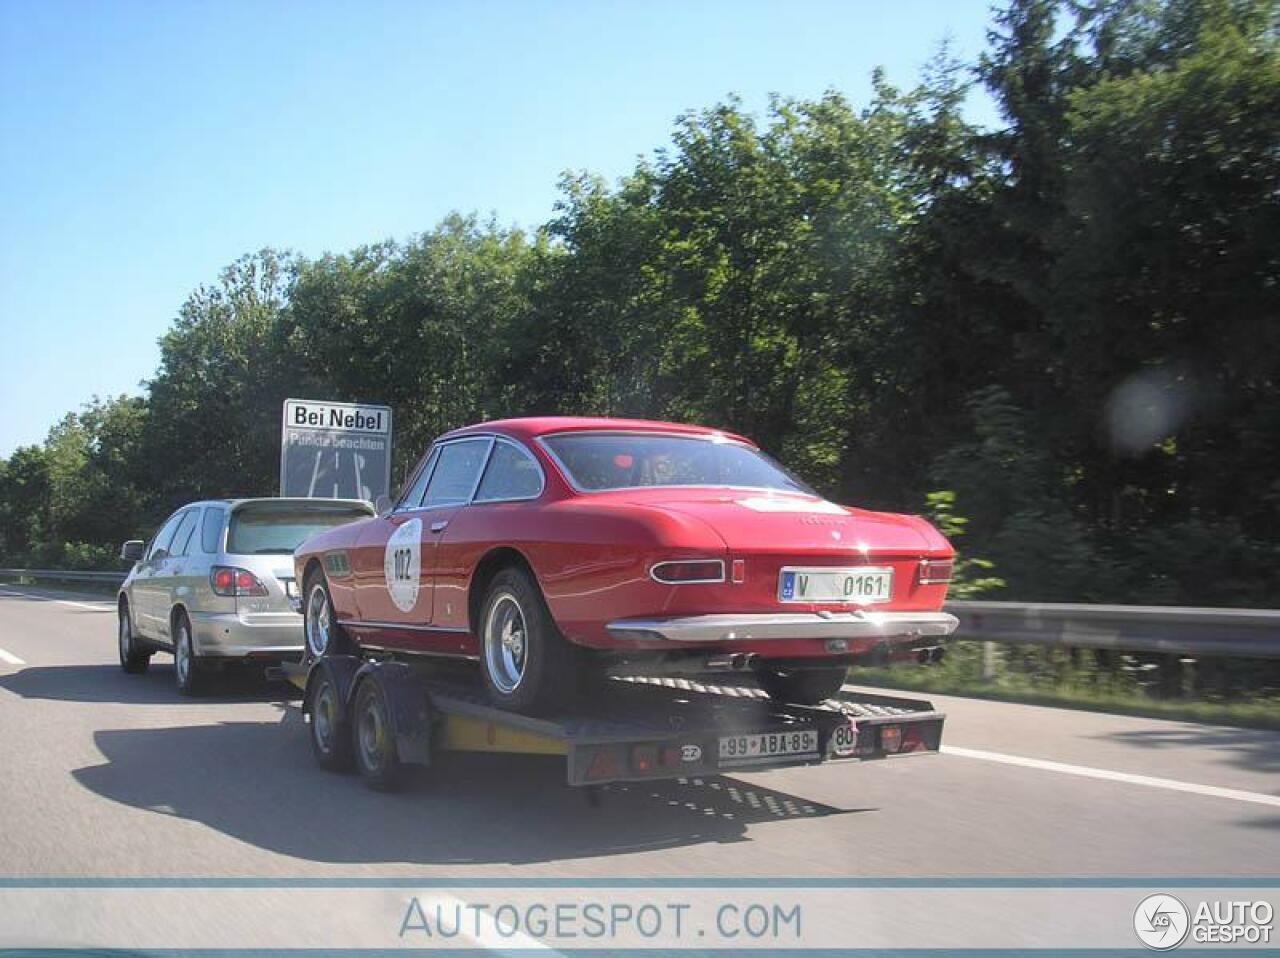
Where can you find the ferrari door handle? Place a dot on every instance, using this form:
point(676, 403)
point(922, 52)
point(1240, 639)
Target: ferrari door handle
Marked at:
point(439, 524)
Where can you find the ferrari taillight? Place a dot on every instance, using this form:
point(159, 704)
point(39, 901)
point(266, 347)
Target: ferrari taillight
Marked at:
point(230, 581)
point(936, 571)
point(688, 571)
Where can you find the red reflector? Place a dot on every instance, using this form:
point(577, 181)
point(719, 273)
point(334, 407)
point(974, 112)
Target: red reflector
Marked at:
point(643, 758)
point(671, 756)
point(623, 461)
point(912, 741)
point(936, 571)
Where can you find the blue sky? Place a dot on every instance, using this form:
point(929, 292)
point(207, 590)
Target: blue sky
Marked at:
point(145, 145)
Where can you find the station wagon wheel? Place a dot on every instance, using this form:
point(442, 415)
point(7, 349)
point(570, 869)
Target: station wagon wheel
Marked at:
point(132, 659)
point(373, 738)
point(527, 665)
point(186, 664)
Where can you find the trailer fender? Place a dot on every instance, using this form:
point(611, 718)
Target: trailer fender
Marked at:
point(409, 704)
point(341, 670)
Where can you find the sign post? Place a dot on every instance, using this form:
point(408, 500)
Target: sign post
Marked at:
point(335, 449)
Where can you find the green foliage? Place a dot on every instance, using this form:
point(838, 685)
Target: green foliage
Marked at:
point(968, 579)
point(1066, 322)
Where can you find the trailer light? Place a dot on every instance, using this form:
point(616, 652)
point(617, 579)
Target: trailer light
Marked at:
point(644, 758)
point(936, 571)
point(603, 765)
point(912, 741)
point(229, 581)
point(671, 756)
point(890, 738)
point(688, 571)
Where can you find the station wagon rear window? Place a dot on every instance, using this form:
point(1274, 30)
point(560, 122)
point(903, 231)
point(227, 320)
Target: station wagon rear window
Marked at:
point(597, 462)
point(271, 529)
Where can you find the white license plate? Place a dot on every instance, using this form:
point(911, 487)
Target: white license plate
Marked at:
point(291, 588)
point(855, 586)
point(754, 749)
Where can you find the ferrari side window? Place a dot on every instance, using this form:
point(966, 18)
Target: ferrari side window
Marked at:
point(457, 468)
point(512, 474)
point(412, 497)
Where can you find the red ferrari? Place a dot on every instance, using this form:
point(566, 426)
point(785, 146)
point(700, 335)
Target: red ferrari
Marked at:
point(552, 549)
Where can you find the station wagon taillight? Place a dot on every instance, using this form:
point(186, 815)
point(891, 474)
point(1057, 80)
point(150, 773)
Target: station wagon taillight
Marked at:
point(936, 571)
point(688, 571)
point(230, 581)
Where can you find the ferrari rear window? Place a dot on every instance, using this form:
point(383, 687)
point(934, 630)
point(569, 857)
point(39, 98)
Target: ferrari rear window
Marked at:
point(600, 461)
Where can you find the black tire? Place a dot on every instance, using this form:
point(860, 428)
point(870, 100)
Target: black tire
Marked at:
point(373, 739)
point(329, 729)
point(527, 665)
point(802, 686)
point(133, 659)
point(188, 669)
point(319, 639)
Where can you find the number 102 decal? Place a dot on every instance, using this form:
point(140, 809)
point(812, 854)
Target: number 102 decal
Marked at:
point(402, 564)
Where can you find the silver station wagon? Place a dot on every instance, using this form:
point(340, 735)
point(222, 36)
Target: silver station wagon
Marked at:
point(214, 584)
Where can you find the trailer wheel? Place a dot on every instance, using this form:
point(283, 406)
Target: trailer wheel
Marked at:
point(374, 741)
point(802, 686)
point(330, 736)
point(528, 666)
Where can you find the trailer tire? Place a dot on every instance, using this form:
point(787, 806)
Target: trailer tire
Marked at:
point(329, 729)
point(528, 666)
point(802, 686)
point(373, 739)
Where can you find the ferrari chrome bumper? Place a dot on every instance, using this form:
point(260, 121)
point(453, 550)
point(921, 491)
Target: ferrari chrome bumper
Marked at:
point(787, 625)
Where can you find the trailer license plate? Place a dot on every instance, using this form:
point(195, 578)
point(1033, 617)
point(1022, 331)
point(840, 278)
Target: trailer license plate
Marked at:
point(752, 749)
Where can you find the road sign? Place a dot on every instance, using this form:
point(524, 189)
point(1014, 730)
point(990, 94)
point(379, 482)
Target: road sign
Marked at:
point(335, 449)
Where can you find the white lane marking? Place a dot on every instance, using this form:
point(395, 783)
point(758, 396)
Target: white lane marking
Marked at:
point(315, 473)
point(1085, 771)
point(76, 605)
point(10, 658)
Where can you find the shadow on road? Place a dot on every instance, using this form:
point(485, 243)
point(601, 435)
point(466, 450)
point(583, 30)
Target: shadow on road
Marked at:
point(106, 683)
point(255, 781)
point(1254, 749)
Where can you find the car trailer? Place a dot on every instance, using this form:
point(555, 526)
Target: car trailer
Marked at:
point(385, 715)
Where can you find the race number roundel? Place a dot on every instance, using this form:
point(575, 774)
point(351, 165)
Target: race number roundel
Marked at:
point(402, 564)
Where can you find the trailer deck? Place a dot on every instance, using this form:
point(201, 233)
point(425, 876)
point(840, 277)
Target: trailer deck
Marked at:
point(632, 727)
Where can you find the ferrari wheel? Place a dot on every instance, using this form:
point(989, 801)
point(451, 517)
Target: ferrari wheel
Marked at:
point(802, 686)
point(322, 635)
point(527, 664)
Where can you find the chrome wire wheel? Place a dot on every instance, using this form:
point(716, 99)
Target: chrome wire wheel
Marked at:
point(182, 653)
point(506, 643)
point(318, 622)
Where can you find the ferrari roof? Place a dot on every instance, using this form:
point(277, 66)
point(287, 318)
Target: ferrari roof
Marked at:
point(533, 426)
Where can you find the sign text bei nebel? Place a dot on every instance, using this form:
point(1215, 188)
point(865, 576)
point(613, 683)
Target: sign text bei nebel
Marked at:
point(335, 449)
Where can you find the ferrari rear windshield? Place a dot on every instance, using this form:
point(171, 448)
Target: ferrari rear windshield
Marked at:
point(597, 462)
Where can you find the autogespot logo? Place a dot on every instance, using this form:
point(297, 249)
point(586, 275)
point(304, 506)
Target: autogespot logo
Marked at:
point(1161, 922)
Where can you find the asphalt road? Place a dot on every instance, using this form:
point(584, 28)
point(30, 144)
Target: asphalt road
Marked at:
point(112, 775)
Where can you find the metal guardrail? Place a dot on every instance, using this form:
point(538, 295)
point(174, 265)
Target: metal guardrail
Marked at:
point(65, 575)
point(1176, 630)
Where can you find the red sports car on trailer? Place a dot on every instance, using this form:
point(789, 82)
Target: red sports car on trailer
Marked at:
point(555, 548)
